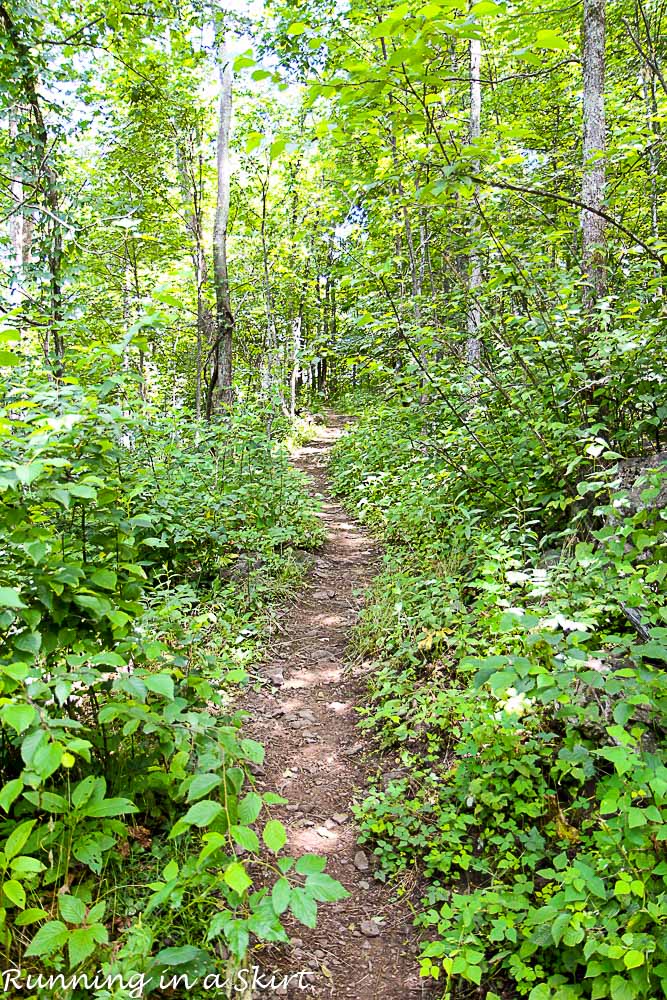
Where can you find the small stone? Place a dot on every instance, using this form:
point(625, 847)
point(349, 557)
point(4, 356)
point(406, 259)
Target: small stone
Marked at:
point(363, 884)
point(306, 713)
point(324, 833)
point(276, 677)
point(339, 818)
point(357, 748)
point(330, 825)
point(319, 953)
point(361, 861)
point(369, 928)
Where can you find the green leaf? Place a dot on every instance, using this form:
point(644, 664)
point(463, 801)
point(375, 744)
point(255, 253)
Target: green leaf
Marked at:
point(303, 907)
point(15, 892)
point(160, 684)
point(245, 838)
point(547, 38)
point(236, 877)
point(297, 28)
point(202, 813)
point(249, 808)
point(274, 835)
point(8, 359)
point(237, 937)
point(18, 838)
point(325, 889)
point(20, 717)
point(10, 598)
point(253, 750)
point(633, 959)
point(621, 989)
point(104, 578)
point(9, 793)
point(310, 864)
point(49, 938)
point(72, 909)
point(81, 944)
point(178, 956)
point(27, 474)
point(109, 807)
point(621, 758)
point(202, 784)
point(30, 916)
point(280, 896)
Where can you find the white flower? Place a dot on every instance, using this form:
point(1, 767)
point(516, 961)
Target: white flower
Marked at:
point(515, 703)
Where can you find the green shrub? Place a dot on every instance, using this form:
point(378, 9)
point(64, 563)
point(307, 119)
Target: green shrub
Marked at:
point(138, 558)
point(527, 722)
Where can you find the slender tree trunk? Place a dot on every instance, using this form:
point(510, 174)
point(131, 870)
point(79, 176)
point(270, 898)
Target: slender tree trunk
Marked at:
point(190, 173)
point(593, 181)
point(474, 317)
point(220, 389)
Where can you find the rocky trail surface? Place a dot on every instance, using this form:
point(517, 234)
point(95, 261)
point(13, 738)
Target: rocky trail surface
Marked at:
point(363, 947)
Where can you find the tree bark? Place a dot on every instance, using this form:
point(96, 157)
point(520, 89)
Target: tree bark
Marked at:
point(220, 392)
point(474, 316)
point(190, 170)
point(593, 180)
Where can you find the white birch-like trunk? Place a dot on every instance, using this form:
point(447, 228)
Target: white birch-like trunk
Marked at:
point(474, 316)
point(220, 392)
point(593, 180)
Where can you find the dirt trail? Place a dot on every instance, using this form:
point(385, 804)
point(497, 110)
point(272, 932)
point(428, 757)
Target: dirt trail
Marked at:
point(314, 756)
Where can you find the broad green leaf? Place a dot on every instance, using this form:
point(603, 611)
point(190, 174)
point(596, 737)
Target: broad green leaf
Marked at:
point(274, 835)
point(249, 808)
point(109, 807)
point(202, 784)
point(80, 945)
point(202, 813)
point(245, 838)
point(10, 598)
point(303, 907)
point(49, 938)
point(162, 684)
point(72, 909)
point(236, 877)
point(280, 896)
point(179, 956)
point(324, 888)
point(310, 864)
point(18, 838)
point(15, 892)
point(20, 717)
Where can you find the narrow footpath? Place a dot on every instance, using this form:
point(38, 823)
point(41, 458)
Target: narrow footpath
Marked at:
point(363, 947)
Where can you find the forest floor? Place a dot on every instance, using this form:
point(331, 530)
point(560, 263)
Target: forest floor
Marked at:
point(363, 947)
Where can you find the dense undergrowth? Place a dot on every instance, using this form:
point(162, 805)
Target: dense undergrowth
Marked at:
point(527, 716)
point(140, 556)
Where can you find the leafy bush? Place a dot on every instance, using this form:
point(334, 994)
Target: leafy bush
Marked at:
point(527, 721)
point(137, 560)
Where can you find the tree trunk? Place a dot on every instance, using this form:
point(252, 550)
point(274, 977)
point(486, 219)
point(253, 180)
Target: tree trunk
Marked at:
point(593, 181)
point(220, 388)
point(474, 317)
point(190, 171)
